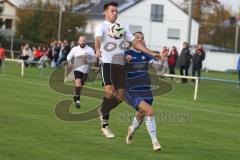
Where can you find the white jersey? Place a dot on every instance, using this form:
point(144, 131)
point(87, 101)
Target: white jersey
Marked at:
point(112, 49)
point(78, 55)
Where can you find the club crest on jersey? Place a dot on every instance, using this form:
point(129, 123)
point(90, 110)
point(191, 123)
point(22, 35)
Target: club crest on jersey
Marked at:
point(143, 57)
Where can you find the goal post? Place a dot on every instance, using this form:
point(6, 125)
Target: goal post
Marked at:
point(18, 61)
point(187, 77)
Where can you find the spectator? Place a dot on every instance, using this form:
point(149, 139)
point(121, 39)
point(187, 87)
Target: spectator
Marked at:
point(184, 61)
point(56, 50)
point(197, 59)
point(165, 51)
point(172, 60)
point(44, 58)
point(1, 55)
point(72, 44)
point(38, 53)
point(238, 69)
point(25, 52)
point(26, 55)
point(63, 53)
point(50, 53)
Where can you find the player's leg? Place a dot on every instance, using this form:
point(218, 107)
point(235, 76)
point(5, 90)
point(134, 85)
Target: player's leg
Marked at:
point(109, 100)
point(118, 81)
point(136, 123)
point(80, 79)
point(150, 123)
point(108, 104)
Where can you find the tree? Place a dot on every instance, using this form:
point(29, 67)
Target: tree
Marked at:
point(210, 14)
point(1, 11)
point(39, 22)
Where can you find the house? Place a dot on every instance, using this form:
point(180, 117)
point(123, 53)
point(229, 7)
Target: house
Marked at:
point(8, 16)
point(162, 21)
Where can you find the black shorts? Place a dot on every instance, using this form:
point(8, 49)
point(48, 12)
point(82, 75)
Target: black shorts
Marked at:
point(80, 75)
point(113, 74)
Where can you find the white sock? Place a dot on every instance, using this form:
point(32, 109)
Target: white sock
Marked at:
point(135, 124)
point(151, 127)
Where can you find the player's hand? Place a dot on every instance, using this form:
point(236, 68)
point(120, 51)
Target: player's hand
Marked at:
point(160, 57)
point(98, 53)
point(156, 55)
point(69, 68)
point(128, 58)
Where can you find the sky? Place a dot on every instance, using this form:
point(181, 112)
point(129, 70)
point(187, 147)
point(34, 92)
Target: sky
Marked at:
point(234, 4)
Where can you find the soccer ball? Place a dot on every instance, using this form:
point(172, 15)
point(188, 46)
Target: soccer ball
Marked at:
point(116, 31)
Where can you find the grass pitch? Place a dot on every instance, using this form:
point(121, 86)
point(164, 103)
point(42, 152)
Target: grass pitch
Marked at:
point(206, 129)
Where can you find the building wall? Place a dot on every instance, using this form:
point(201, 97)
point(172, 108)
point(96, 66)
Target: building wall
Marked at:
point(215, 61)
point(9, 12)
point(155, 32)
point(92, 24)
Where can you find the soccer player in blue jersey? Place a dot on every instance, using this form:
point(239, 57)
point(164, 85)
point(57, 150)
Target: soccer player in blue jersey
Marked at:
point(138, 91)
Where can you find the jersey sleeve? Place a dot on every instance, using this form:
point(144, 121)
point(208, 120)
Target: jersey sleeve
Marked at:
point(70, 55)
point(91, 56)
point(128, 34)
point(99, 31)
point(149, 57)
point(127, 53)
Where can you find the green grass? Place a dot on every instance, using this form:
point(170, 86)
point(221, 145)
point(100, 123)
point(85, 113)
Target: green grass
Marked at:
point(29, 128)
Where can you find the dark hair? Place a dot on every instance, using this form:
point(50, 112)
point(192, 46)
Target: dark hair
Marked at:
point(106, 5)
point(138, 32)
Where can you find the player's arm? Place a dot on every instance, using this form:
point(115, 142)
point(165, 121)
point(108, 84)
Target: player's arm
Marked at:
point(70, 57)
point(98, 46)
point(91, 56)
point(127, 57)
point(98, 40)
point(138, 45)
point(142, 48)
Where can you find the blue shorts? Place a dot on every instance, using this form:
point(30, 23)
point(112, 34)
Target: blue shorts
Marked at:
point(135, 101)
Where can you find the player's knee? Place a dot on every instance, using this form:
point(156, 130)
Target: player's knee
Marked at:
point(140, 117)
point(149, 112)
point(120, 98)
point(109, 93)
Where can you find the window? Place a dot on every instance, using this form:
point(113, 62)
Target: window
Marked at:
point(135, 28)
point(173, 33)
point(157, 13)
point(8, 23)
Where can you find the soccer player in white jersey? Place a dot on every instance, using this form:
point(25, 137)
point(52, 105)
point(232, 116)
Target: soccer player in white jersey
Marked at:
point(78, 60)
point(111, 55)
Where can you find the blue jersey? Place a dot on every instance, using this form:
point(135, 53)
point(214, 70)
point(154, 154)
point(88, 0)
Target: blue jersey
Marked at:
point(138, 83)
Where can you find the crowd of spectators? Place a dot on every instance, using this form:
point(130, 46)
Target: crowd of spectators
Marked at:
point(46, 55)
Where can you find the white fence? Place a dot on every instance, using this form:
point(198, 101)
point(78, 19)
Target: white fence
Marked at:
point(216, 61)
